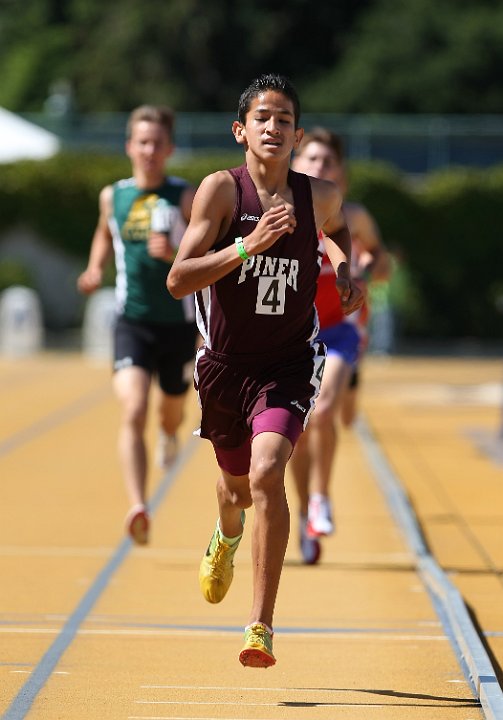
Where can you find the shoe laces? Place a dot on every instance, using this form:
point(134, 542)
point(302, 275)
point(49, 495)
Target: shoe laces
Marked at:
point(320, 507)
point(219, 559)
point(260, 635)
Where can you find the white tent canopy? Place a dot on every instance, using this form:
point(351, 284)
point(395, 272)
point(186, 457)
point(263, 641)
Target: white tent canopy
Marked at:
point(22, 140)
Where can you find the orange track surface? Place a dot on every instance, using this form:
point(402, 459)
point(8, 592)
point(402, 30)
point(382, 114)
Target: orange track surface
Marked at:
point(92, 628)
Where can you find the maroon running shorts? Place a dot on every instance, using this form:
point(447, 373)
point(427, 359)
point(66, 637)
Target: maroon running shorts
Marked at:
point(242, 397)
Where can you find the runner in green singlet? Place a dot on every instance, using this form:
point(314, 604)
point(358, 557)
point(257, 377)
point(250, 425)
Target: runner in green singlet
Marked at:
point(140, 222)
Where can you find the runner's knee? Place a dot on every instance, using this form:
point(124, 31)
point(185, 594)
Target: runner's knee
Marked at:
point(323, 415)
point(237, 494)
point(135, 414)
point(266, 478)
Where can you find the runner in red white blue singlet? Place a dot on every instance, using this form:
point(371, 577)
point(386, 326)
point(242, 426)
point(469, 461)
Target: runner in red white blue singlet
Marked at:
point(320, 155)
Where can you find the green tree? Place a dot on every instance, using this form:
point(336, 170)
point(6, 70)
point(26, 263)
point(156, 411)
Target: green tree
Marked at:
point(34, 44)
point(410, 56)
point(194, 54)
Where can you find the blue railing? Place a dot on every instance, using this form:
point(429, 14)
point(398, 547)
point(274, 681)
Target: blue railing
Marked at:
point(413, 143)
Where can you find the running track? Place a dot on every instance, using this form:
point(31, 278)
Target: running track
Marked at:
point(402, 619)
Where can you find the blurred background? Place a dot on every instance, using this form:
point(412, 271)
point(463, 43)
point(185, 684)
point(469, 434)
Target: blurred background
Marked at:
point(413, 86)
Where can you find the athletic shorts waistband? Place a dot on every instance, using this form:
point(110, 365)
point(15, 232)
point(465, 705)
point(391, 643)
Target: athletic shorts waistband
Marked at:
point(258, 358)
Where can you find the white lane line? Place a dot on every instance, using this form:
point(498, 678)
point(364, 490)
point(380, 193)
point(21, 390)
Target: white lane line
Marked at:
point(327, 635)
point(179, 556)
point(28, 672)
point(219, 703)
point(446, 599)
point(30, 551)
point(22, 702)
point(377, 706)
point(247, 688)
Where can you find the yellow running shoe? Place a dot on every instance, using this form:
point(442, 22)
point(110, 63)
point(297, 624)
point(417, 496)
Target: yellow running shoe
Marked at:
point(257, 650)
point(217, 568)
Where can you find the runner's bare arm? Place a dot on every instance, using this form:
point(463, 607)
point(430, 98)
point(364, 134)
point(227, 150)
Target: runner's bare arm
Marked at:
point(374, 260)
point(195, 267)
point(101, 246)
point(327, 204)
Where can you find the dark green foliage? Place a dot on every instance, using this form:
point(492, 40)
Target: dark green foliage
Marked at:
point(416, 56)
point(191, 54)
point(58, 198)
point(371, 56)
point(403, 225)
point(466, 249)
point(444, 232)
point(389, 197)
point(12, 273)
point(196, 168)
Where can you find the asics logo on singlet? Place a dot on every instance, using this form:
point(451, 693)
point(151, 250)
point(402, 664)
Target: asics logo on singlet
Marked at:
point(253, 218)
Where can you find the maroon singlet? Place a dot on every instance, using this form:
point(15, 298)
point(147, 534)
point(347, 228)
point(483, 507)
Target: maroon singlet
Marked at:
point(265, 306)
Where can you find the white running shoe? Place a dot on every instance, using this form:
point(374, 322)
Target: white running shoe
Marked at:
point(167, 450)
point(319, 516)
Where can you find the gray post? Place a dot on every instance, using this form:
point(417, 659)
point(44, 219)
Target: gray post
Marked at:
point(98, 322)
point(21, 326)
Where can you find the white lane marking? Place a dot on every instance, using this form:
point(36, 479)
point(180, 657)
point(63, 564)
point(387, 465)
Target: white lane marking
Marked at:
point(329, 634)
point(28, 672)
point(263, 704)
point(30, 551)
point(180, 555)
point(22, 702)
point(486, 394)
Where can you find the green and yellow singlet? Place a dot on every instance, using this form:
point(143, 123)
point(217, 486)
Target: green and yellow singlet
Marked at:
point(141, 279)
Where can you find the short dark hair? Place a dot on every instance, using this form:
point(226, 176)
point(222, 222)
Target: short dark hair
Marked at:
point(324, 137)
point(161, 114)
point(271, 81)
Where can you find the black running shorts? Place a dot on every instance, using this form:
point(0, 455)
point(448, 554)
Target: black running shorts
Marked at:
point(167, 351)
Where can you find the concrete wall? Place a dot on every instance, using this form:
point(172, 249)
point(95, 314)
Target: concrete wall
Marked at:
point(55, 276)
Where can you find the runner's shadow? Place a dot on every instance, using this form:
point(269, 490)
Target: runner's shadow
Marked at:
point(414, 699)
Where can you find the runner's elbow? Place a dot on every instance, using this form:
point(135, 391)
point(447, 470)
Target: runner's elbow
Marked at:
point(174, 284)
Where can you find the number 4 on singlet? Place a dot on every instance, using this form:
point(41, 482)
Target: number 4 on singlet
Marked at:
point(271, 295)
